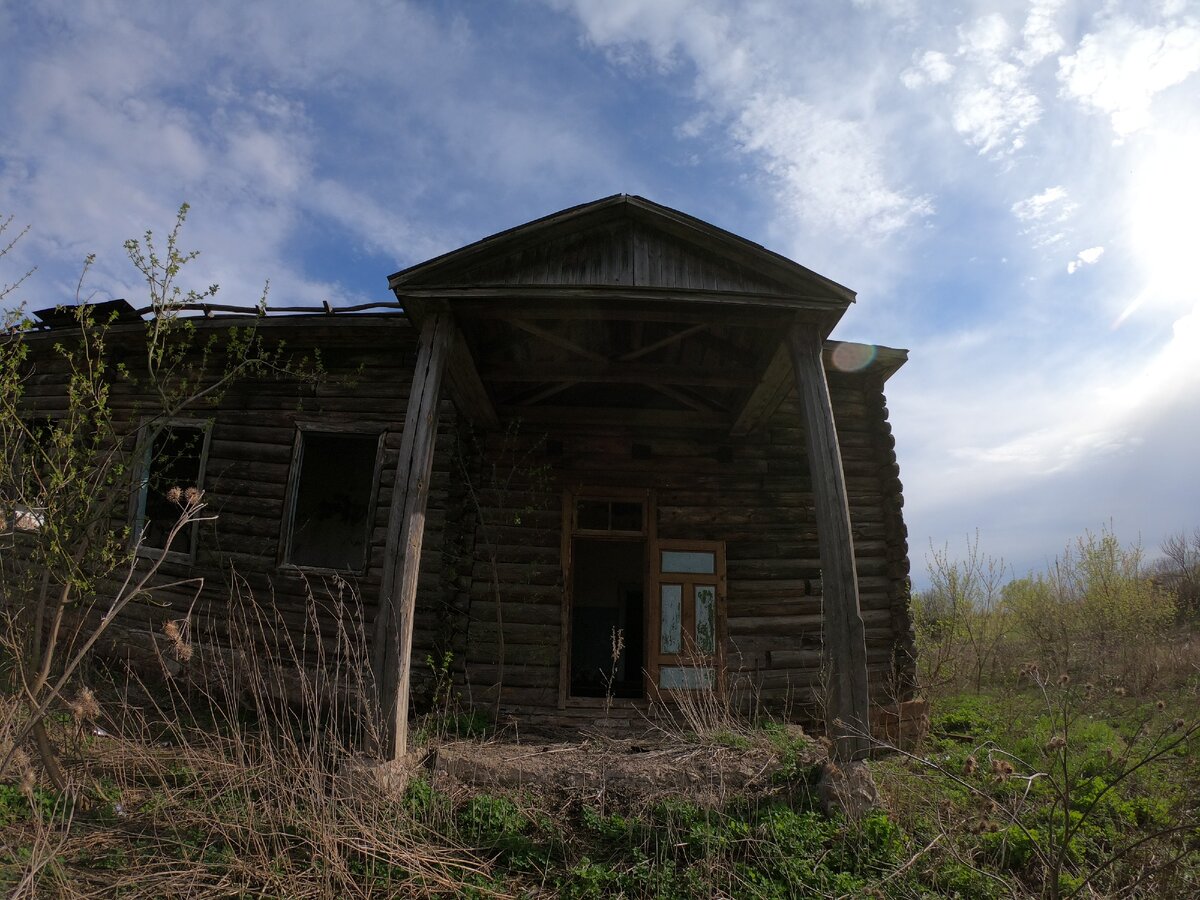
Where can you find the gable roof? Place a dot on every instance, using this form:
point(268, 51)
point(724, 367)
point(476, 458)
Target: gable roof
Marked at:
point(624, 242)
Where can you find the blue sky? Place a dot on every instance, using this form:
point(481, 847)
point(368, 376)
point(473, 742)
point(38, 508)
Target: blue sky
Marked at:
point(1011, 187)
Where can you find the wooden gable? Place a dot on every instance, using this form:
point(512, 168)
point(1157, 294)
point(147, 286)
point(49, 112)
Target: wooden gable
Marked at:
point(623, 242)
point(629, 254)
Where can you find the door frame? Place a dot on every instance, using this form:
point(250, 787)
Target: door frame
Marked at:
point(570, 531)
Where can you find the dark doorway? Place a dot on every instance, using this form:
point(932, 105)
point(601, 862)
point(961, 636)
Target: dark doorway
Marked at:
point(607, 609)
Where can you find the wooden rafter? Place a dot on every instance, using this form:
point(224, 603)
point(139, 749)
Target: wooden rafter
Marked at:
point(548, 392)
point(558, 340)
point(669, 339)
point(768, 394)
point(680, 397)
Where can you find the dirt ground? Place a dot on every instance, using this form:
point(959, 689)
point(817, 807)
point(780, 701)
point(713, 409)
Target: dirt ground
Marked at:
point(613, 773)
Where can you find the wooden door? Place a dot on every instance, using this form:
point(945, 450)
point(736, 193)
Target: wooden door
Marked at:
point(687, 616)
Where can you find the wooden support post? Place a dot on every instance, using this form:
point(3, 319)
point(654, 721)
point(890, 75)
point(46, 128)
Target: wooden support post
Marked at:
point(406, 531)
point(845, 639)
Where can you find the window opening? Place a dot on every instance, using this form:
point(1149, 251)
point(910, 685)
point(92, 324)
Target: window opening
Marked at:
point(332, 500)
point(173, 458)
point(22, 508)
point(609, 515)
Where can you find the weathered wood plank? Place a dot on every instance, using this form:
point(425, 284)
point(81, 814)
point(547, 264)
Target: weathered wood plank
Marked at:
point(844, 627)
point(406, 532)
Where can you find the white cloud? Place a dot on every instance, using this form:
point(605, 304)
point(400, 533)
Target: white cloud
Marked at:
point(1087, 257)
point(994, 106)
point(1040, 32)
point(827, 168)
point(896, 9)
point(1119, 68)
point(1039, 205)
point(931, 68)
point(1044, 215)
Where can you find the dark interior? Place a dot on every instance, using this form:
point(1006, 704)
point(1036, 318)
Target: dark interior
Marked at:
point(607, 602)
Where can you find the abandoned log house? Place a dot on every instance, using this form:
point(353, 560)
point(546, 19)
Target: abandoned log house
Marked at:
point(605, 458)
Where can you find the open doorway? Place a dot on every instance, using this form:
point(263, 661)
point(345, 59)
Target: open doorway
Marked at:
point(607, 605)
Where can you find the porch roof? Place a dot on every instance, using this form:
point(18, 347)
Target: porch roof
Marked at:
point(620, 312)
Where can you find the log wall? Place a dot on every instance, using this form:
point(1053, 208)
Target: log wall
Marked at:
point(365, 373)
point(495, 518)
point(753, 492)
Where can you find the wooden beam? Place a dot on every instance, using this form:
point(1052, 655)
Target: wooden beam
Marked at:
point(623, 373)
point(392, 655)
point(466, 387)
point(614, 416)
point(847, 713)
point(679, 397)
point(668, 340)
point(559, 341)
point(768, 394)
point(547, 392)
point(565, 293)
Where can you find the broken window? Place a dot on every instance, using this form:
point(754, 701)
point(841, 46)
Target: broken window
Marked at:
point(332, 500)
point(22, 505)
point(173, 459)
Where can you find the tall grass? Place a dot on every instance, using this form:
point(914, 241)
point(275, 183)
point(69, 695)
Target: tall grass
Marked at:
point(240, 777)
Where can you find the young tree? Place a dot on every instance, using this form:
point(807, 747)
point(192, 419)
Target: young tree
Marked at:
point(1180, 568)
point(75, 405)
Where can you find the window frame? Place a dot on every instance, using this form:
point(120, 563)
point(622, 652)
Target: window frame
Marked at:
point(147, 432)
point(287, 525)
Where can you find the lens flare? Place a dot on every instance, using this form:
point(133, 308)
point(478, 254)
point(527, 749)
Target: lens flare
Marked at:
point(853, 357)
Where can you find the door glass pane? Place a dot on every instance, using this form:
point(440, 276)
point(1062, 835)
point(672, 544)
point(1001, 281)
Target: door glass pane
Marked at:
point(672, 618)
point(592, 515)
point(706, 619)
point(689, 561)
point(685, 677)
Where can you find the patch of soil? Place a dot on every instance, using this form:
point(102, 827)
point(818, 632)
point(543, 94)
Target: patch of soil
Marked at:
point(623, 774)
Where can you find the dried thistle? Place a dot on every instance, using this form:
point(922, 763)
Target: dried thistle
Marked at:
point(618, 644)
point(28, 780)
point(1064, 679)
point(1055, 743)
point(1160, 705)
point(193, 496)
point(180, 647)
point(85, 707)
point(970, 766)
point(174, 495)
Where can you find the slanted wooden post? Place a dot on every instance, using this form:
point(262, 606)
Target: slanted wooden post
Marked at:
point(845, 638)
point(406, 531)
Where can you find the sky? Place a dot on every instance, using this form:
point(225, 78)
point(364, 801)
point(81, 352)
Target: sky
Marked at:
point(1012, 188)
